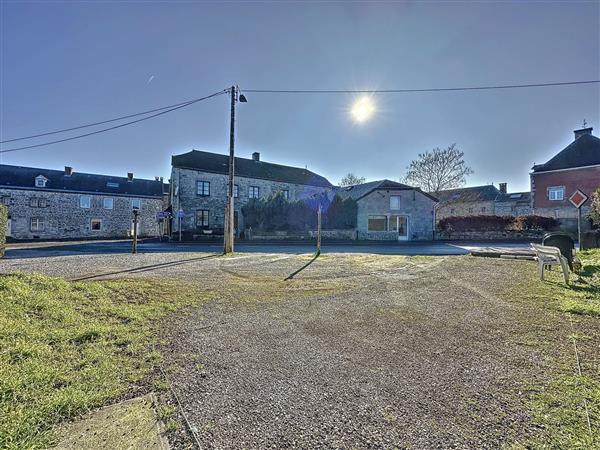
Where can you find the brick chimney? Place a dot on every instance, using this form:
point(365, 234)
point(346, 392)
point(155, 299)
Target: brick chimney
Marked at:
point(68, 171)
point(129, 176)
point(502, 187)
point(582, 131)
point(256, 156)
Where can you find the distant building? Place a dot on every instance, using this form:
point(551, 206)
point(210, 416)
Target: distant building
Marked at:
point(392, 211)
point(575, 167)
point(199, 183)
point(55, 204)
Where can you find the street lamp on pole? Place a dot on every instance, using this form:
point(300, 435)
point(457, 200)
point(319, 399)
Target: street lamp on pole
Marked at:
point(229, 208)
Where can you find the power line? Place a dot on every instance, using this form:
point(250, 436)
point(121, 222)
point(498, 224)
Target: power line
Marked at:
point(116, 126)
point(98, 123)
point(399, 91)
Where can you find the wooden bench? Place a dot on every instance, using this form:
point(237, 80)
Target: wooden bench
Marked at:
point(548, 257)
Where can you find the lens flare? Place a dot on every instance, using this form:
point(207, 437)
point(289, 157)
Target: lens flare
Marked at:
point(362, 109)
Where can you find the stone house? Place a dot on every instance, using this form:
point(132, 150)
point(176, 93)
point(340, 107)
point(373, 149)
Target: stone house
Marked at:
point(576, 167)
point(199, 188)
point(56, 204)
point(392, 211)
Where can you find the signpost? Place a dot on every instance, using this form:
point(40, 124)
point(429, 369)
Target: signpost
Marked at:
point(180, 215)
point(136, 214)
point(577, 200)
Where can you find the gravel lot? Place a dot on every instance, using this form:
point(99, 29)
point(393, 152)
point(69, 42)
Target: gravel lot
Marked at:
point(353, 351)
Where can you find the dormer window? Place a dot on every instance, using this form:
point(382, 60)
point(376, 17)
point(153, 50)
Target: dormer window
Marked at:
point(40, 181)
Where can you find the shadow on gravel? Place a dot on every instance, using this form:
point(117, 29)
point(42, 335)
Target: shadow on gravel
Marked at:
point(146, 268)
point(293, 274)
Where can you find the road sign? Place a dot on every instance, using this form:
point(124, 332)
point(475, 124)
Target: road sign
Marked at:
point(578, 198)
point(180, 214)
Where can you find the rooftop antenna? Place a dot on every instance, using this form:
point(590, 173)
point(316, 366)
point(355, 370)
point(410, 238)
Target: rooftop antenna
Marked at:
point(584, 123)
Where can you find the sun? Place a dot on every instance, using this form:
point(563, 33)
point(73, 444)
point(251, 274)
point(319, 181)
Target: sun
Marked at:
point(362, 109)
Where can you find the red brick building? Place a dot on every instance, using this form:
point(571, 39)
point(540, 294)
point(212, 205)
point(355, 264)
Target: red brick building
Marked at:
point(577, 166)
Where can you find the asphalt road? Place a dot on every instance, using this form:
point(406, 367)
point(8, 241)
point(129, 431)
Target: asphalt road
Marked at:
point(45, 249)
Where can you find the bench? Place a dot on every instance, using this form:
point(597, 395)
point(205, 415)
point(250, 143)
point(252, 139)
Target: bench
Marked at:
point(548, 257)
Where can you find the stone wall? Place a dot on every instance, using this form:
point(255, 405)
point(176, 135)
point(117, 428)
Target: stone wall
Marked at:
point(416, 206)
point(490, 235)
point(63, 218)
point(184, 186)
point(452, 209)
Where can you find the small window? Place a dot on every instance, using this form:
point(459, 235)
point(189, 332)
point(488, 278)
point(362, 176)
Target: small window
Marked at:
point(202, 218)
point(85, 201)
point(556, 193)
point(108, 203)
point(136, 203)
point(483, 209)
point(394, 202)
point(112, 184)
point(40, 181)
point(36, 224)
point(96, 225)
point(36, 202)
point(253, 192)
point(377, 223)
point(452, 210)
point(5, 200)
point(286, 194)
point(203, 188)
point(236, 191)
point(470, 210)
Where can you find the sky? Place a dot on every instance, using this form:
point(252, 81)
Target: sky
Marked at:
point(64, 64)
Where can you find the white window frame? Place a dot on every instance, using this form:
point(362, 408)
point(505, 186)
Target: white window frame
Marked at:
point(203, 188)
point(236, 191)
point(553, 192)
point(82, 204)
point(39, 224)
point(205, 218)
point(286, 193)
point(253, 192)
point(112, 203)
point(395, 198)
point(5, 200)
point(40, 181)
point(137, 201)
point(92, 226)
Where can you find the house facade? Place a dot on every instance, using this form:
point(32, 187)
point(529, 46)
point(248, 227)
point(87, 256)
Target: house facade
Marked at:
point(199, 185)
point(391, 211)
point(55, 204)
point(576, 167)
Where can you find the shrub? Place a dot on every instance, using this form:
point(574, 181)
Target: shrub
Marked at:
point(3, 223)
point(496, 223)
point(595, 212)
point(533, 222)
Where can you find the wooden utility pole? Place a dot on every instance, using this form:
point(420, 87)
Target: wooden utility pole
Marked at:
point(319, 230)
point(228, 221)
point(136, 214)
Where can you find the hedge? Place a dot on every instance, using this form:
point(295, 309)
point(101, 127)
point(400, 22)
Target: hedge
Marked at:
point(3, 223)
point(496, 223)
point(595, 212)
point(275, 213)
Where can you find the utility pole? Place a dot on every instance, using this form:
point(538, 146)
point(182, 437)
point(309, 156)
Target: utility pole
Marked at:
point(136, 214)
point(228, 223)
point(319, 230)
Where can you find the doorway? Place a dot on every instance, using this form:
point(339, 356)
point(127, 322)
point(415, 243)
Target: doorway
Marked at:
point(399, 224)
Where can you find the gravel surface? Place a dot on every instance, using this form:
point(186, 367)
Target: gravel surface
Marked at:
point(354, 351)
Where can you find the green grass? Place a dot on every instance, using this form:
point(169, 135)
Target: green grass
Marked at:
point(68, 347)
point(558, 407)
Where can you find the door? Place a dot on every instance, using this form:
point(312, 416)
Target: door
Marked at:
point(400, 224)
point(9, 227)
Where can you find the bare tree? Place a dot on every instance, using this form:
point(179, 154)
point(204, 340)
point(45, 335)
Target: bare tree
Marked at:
point(436, 170)
point(350, 180)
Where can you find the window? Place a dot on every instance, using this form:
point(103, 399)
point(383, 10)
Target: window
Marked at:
point(108, 203)
point(136, 203)
point(112, 184)
point(36, 224)
point(36, 202)
point(96, 224)
point(483, 209)
point(202, 218)
point(377, 223)
point(85, 201)
point(40, 181)
point(236, 191)
point(203, 188)
point(556, 193)
point(286, 194)
point(452, 210)
point(394, 202)
point(5, 200)
point(470, 210)
point(253, 192)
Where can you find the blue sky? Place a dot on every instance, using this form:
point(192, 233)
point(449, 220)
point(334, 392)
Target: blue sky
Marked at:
point(67, 63)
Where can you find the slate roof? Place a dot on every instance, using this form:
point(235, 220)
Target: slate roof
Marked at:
point(515, 197)
point(358, 191)
point(583, 151)
point(244, 167)
point(486, 193)
point(18, 177)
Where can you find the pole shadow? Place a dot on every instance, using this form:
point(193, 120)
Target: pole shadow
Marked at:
point(293, 274)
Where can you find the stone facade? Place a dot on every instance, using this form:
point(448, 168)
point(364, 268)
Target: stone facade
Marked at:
point(61, 217)
point(414, 205)
point(184, 196)
point(468, 208)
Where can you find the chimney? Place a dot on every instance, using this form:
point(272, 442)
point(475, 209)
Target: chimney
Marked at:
point(68, 171)
point(256, 156)
point(582, 131)
point(129, 176)
point(502, 187)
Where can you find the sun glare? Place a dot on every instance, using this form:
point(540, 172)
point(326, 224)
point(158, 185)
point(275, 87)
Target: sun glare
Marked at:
point(362, 109)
